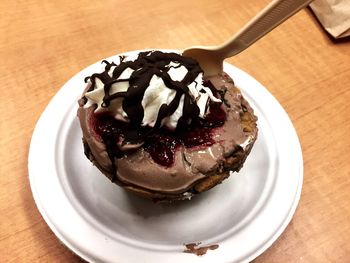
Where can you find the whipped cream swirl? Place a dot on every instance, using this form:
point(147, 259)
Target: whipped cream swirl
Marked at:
point(156, 89)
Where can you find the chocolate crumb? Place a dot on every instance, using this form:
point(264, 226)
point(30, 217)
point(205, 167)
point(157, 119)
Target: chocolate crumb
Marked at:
point(199, 251)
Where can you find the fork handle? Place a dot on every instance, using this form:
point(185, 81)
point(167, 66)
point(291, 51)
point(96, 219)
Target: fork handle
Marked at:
point(270, 17)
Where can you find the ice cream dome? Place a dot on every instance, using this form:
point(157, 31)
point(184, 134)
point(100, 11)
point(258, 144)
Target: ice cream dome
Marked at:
point(155, 126)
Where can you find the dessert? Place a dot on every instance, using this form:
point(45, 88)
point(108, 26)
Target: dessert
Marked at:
point(195, 248)
point(156, 127)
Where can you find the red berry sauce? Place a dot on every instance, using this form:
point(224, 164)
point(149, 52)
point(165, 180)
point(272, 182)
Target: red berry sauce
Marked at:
point(162, 144)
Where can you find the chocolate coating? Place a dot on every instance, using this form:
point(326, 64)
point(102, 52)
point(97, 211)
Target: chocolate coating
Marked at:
point(139, 171)
point(195, 169)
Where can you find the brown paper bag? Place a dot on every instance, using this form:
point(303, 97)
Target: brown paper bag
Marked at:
point(334, 15)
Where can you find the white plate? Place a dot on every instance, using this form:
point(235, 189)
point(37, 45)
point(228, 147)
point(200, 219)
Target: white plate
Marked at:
point(102, 223)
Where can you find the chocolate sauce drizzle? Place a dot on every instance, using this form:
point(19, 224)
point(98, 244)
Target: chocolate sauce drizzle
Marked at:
point(147, 64)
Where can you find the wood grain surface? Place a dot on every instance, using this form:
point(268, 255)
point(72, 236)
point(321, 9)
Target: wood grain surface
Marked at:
point(44, 43)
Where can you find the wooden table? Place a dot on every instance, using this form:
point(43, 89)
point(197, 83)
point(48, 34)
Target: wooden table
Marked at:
point(44, 43)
